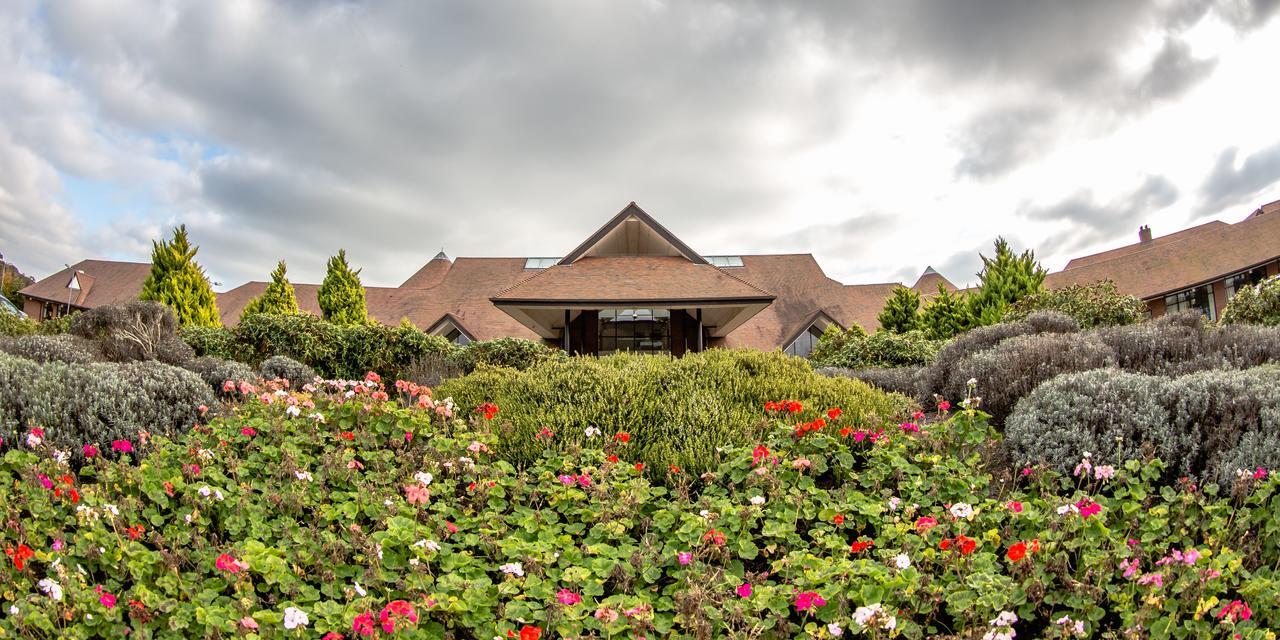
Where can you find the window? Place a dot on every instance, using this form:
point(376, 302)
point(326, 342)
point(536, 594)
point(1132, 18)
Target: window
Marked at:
point(540, 263)
point(804, 344)
point(1244, 279)
point(1200, 299)
point(457, 337)
point(724, 261)
point(639, 330)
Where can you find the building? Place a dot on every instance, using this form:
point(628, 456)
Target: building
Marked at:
point(633, 285)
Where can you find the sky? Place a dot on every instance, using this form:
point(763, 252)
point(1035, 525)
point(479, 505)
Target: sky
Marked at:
point(882, 137)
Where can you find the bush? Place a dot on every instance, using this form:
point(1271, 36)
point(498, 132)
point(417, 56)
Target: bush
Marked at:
point(935, 377)
point(215, 342)
point(78, 404)
point(1016, 366)
point(516, 353)
point(1171, 345)
point(17, 375)
point(134, 331)
point(1091, 305)
point(1225, 421)
point(15, 326)
point(216, 371)
point(678, 410)
point(856, 350)
point(432, 369)
point(285, 368)
point(56, 348)
point(1113, 415)
point(903, 380)
point(1258, 304)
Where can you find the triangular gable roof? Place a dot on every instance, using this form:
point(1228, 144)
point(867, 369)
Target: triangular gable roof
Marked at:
point(631, 279)
point(628, 212)
point(450, 320)
point(809, 321)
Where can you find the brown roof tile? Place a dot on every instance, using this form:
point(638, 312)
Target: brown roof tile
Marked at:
point(632, 279)
point(103, 282)
point(1085, 261)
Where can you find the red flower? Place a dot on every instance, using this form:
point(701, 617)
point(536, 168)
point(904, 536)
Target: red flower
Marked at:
point(613, 459)
point(530, 633)
point(347, 435)
point(488, 410)
point(1017, 552)
point(227, 562)
point(792, 406)
point(713, 536)
point(845, 431)
point(861, 545)
point(964, 544)
point(136, 531)
point(834, 413)
point(123, 446)
point(674, 469)
point(639, 466)
point(623, 437)
point(839, 519)
point(20, 555)
point(363, 624)
point(759, 453)
point(925, 523)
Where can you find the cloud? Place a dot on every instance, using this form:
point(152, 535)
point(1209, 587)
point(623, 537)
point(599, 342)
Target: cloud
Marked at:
point(1087, 220)
point(1172, 73)
point(1228, 185)
point(997, 141)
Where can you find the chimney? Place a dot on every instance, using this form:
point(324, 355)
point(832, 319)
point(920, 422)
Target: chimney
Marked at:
point(1144, 233)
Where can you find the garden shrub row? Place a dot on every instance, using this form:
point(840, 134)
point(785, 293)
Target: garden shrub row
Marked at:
point(333, 524)
point(854, 348)
point(1208, 424)
point(678, 410)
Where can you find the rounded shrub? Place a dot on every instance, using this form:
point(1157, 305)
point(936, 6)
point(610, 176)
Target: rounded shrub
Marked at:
point(1225, 421)
point(215, 371)
point(1013, 368)
point(215, 342)
point(57, 348)
point(284, 367)
point(678, 410)
point(855, 349)
point(1171, 345)
point(17, 375)
point(134, 331)
point(516, 353)
point(1113, 415)
point(1090, 305)
point(933, 379)
point(903, 380)
point(1258, 304)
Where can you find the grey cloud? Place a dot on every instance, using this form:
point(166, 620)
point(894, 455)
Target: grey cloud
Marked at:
point(1227, 186)
point(1173, 71)
point(999, 140)
point(1090, 221)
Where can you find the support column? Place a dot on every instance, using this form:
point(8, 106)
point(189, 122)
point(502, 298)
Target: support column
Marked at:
point(700, 345)
point(566, 331)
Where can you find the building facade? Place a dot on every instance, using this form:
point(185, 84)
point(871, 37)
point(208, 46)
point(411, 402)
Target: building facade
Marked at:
point(634, 286)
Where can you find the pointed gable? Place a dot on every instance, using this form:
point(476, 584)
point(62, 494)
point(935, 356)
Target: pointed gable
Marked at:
point(632, 232)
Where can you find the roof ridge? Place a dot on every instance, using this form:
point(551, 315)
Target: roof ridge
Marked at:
point(1170, 241)
point(742, 280)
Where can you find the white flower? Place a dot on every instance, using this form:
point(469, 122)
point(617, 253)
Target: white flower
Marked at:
point(295, 617)
point(33, 440)
point(61, 457)
point(13, 610)
point(961, 510)
point(187, 518)
point(318, 417)
point(1005, 619)
point(423, 477)
point(205, 491)
point(835, 630)
point(902, 561)
point(863, 615)
point(512, 569)
point(303, 475)
point(293, 411)
point(432, 545)
point(360, 590)
point(757, 500)
point(51, 589)
point(388, 502)
point(205, 454)
point(413, 562)
point(217, 494)
point(421, 543)
point(894, 502)
point(591, 432)
point(972, 381)
point(703, 513)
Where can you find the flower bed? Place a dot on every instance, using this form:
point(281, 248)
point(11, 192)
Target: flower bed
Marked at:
point(358, 511)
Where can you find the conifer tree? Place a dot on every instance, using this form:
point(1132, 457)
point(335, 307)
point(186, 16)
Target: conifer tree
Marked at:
point(277, 299)
point(901, 311)
point(1005, 279)
point(341, 295)
point(945, 315)
point(176, 280)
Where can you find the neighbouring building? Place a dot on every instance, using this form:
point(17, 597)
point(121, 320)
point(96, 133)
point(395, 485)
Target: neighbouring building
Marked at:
point(634, 286)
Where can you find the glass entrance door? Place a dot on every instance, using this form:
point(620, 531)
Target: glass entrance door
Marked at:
point(638, 330)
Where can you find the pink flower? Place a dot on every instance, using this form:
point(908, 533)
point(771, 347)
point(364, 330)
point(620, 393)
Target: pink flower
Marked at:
point(566, 479)
point(944, 406)
point(44, 481)
point(1026, 471)
point(1235, 611)
point(417, 494)
point(568, 598)
point(123, 446)
point(57, 544)
point(227, 562)
point(1260, 474)
point(684, 557)
point(584, 480)
point(909, 427)
point(90, 451)
point(807, 600)
point(744, 590)
point(396, 610)
point(1088, 508)
point(249, 431)
point(228, 386)
point(1152, 578)
point(1015, 506)
point(363, 624)
point(107, 600)
point(249, 623)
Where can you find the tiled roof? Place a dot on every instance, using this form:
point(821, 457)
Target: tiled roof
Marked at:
point(1084, 261)
point(927, 283)
point(103, 282)
point(1159, 268)
point(632, 278)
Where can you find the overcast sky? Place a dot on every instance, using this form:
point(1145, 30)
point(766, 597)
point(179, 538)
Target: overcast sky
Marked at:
point(880, 136)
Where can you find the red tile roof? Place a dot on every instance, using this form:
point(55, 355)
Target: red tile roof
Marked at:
point(103, 282)
point(632, 279)
point(1143, 246)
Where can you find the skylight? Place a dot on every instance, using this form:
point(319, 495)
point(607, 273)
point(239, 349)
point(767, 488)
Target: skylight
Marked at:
point(540, 263)
point(725, 261)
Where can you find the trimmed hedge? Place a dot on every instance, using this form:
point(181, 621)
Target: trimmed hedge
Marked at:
point(855, 349)
point(903, 380)
point(51, 348)
point(1258, 304)
point(1091, 305)
point(285, 368)
point(678, 410)
point(935, 377)
point(15, 326)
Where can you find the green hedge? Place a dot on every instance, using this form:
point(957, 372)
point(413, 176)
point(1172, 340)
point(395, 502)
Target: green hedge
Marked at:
point(1258, 304)
point(679, 410)
point(1091, 305)
point(855, 349)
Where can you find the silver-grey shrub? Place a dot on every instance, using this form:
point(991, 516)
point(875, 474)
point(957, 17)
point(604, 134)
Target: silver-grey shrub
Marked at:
point(55, 348)
point(284, 367)
point(134, 331)
point(1114, 415)
point(216, 371)
point(1244, 346)
point(935, 376)
point(1016, 366)
point(1171, 345)
point(1226, 420)
point(17, 376)
point(904, 380)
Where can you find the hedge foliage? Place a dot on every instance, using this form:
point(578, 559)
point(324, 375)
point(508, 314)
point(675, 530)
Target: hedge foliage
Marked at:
point(286, 368)
point(97, 403)
point(1210, 424)
point(942, 369)
point(1091, 305)
point(15, 326)
point(856, 349)
point(1258, 304)
point(51, 348)
point(678, 410)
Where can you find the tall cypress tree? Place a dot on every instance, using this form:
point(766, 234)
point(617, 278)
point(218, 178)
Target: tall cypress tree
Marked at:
point(1005, 279)
point(176, 280)
point(341, 295)
point(278, 298)
point(901, 311)
point(945, 315)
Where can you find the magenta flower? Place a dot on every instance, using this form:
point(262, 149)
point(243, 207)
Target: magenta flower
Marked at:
point(807, 600)
point(684, 557)
point(90, 451)
point(566, 479)
point(568, 598)
point(1088, 508)
point(1130, 567)
point(744, 590)
point(123, 446)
